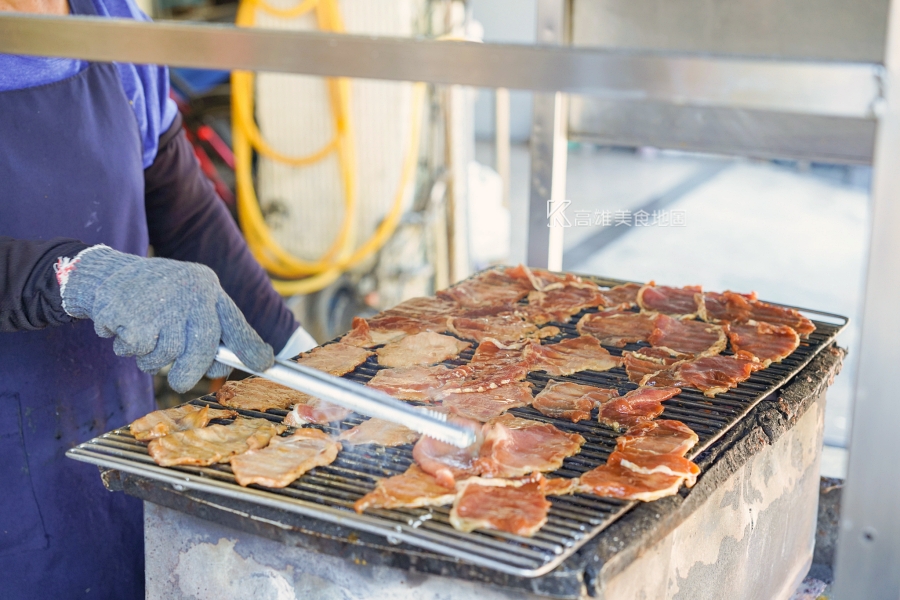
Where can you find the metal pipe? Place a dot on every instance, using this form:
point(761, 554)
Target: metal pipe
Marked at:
point(805, 87)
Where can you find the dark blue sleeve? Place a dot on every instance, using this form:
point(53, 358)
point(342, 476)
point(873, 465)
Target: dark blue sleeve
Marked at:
point(187, 221)
point(29, 292)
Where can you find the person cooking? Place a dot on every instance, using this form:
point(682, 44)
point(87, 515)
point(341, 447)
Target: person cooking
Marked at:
point(94, 168)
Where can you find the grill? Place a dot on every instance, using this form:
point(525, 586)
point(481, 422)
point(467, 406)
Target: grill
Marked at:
point(329, 492)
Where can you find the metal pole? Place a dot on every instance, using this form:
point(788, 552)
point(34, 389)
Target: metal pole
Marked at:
point(546, 208)
point(868, 553)
point(501, 139)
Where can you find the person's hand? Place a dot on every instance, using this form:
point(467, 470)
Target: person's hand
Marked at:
point(161, 311)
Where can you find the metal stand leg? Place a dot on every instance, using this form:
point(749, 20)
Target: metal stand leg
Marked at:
point(546, 208)
point(868, 551)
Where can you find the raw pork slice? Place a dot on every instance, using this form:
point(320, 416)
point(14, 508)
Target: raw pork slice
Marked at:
point(656, 464)
point(493, 365)
point(378, 431)
point(213, 444)
point(688, 336)
point(514, 447)
point(317, 411)
point(571, 401)
point(542, 280)
point(683, 302)
point(507, 328)
point(445, 461)
point(778, 315)
point(336, 359)
point(491, 504)
point(484, 406)
point(711, 374)
point(622, 296)
point(642, 404)
point(181, 418)
point(258, 394)
point(285, 459)
point(412, 489)
point(424, 348)
point(617, 328)
point(730, 307)
point(487, 289)
point(412, 316)
point(726, 307)
point(660, 436)
point(646, 361)
point(583, 353)
point(412, 383)
point(616, 481)
point(561, 303)
point(362, 335)
point(768, 343)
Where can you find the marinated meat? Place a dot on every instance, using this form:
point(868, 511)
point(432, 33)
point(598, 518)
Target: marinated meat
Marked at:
point(336, 359)
point(412, 489)
point(362, 335)
point(646, 361)
point(493, 365)
point(730, 307)
point(514, 447)
point(378, 431)
point(412, 383)
point(617, 328)
point(688, 336)
point(424, 348)
point(181, 418)
point(616, 481)
point(506, 328)
point(711, 374)
point(684, 302)
point(445, 461)
point(660, 436)
point(258, 394)
point(412, 316)
point(490, 504)
point(317, 411)
point(726, 307)
point(656, 464)
point(622, 296)
point(583, 353)
point(213, 444)
point(768, 343)
point(561, 303)
point(542, 280)
point(571, 401)
point(558, 486)
point(487, 289)
point(285, 459)
point(484, 406)
point(637, 406)
point(778, 315)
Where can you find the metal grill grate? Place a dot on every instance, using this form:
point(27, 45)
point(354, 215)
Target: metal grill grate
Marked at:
point(329, 492)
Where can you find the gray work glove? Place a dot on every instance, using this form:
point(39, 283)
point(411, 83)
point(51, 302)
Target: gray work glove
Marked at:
point(161, 311)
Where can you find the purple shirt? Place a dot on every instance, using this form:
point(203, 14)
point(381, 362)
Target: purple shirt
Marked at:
point(145, 86)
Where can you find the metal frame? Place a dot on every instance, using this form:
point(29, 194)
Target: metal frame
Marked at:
point(869, 546)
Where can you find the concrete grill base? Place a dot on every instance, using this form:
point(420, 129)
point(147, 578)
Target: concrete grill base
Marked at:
point(745, 531)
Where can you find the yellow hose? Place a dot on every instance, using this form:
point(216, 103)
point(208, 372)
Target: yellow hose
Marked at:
point(341, 256)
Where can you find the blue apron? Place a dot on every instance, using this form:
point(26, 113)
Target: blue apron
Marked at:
point(70, 166)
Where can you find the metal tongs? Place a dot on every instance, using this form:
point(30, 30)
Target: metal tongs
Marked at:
point(356, 397)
